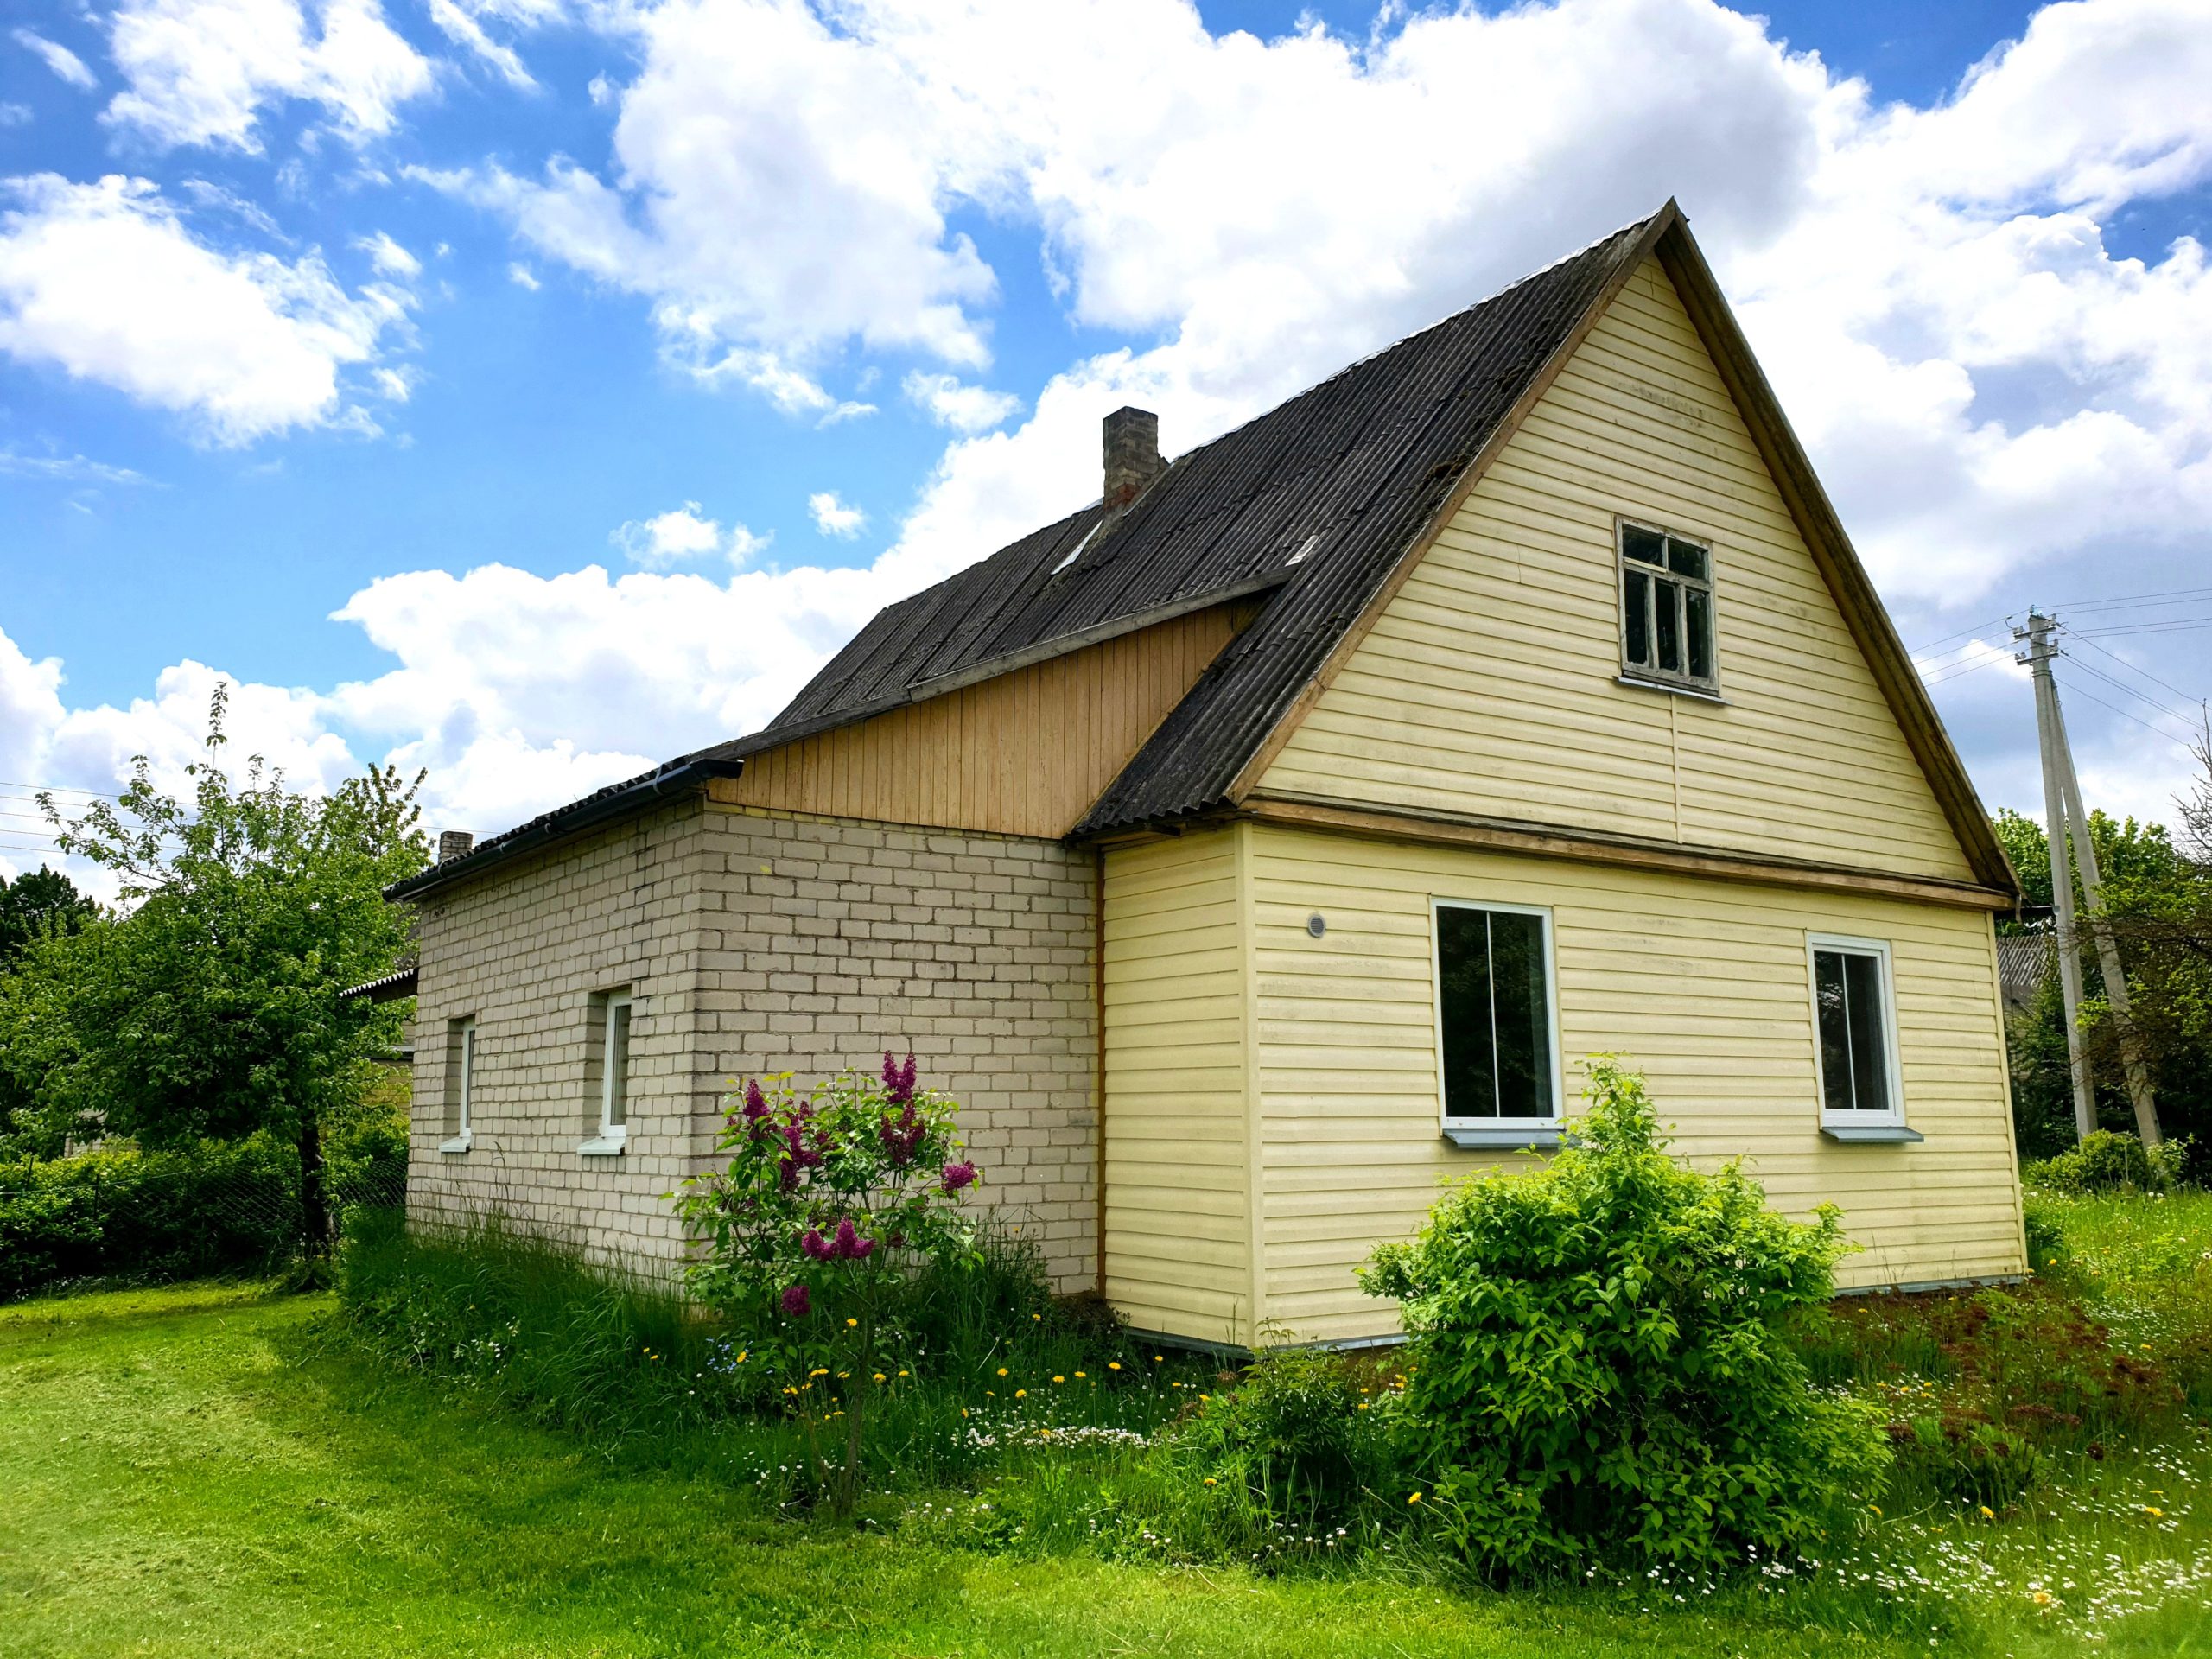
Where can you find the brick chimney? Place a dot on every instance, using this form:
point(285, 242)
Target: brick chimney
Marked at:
point(1132, 455)
point(454, 843)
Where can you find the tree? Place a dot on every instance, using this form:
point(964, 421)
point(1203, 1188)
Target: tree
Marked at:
point(208, 1006)
point(38, 903)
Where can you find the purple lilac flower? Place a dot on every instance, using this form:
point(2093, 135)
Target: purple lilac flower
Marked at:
point(900, 1136)
point(815, 1245)
point(849, 1244)
point(796, 1302)
point(959, 1175)
point(898, 1081)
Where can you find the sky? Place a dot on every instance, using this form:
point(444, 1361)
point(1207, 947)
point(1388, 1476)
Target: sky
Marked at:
point(531, 390)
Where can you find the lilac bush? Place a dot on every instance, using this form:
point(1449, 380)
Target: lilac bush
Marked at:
point(829, 1204)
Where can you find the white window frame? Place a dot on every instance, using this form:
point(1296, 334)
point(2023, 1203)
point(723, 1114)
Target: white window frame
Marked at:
point(1509, 1132)
point(1851, 944)
point(1659, 678)
point(613, 1137)
point(465, 1135)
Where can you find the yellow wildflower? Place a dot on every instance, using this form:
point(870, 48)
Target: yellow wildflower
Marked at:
point(1002, 1370)
point(1415, 1498)
point(2154, 1511)
point(1059, 1379)
point(879, 1378)
point(1988, 1514)
point(1022, 1394)
point(852, 1325)
point(1113, 1364)
point(1209, 1480)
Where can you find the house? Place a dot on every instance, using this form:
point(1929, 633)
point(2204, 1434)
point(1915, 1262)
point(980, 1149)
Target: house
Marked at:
point(1272, 839)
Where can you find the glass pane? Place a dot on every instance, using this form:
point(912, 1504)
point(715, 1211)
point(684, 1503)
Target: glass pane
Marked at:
point(1666, 598)
point(1700, 632)
point(1684, 560)
point(1642, 544)
point(618, 1065)
point(1463, 968)
point(468, 1069)
point(1636, 599)
point(1870, 1062)
point(1523, 1015)
point(1832, 1002)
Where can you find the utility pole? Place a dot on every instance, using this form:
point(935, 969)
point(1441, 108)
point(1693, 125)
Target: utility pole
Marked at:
point(2065, 820)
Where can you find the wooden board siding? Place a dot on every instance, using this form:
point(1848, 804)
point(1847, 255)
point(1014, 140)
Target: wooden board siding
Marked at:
point(1488, 685)
point(1177, 1172)
point(1700, 983)
point(1024, 754)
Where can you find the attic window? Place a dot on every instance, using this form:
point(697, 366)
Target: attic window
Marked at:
point(1666, 609)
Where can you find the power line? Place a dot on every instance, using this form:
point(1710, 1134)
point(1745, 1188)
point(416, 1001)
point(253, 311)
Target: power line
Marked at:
point(2123, 715)
point(2132, 669)
point(57, 789)
point(2143, 698)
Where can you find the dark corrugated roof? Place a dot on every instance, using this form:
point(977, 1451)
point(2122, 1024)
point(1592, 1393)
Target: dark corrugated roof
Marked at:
point(1350, 472)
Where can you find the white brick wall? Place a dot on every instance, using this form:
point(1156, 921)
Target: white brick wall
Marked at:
point(754, 942)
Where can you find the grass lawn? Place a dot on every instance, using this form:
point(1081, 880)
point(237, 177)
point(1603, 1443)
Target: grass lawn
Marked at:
point(190, 1472)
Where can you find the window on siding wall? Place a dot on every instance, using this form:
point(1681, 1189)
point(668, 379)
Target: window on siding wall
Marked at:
point(608, 1076)
point(1855, 1029)
point(461, 1084)
point(1666, 608)
point(1495, 1019)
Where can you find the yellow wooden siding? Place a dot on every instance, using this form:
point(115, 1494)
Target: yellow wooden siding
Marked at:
point(1178, 1169)
point(1487, 686)
point(1024, 754)
point(1701, 984)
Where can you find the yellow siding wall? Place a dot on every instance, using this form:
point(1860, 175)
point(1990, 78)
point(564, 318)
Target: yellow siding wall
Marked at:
point(1488, 686)
point(1178, 1175)
point(1702, 983)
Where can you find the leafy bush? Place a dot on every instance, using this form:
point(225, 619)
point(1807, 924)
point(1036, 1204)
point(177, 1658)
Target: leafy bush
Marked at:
point(1599, 1365)
point(216, 1207)
point(1295, 1436)
point(2108, 1161)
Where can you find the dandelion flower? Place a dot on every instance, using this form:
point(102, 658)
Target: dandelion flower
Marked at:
point(1875, 1507)
point(2154, 1511)
point(880, 1376)
point(1113, 1364)
point(1415, 1498)
point(1002, 1370)
point(1209, 1480)
point(852, 1325)
point(1988, 1514)
point(1158, 1358)
point(1059, 1379)
point(1079, 1375)
point(1022, 1394)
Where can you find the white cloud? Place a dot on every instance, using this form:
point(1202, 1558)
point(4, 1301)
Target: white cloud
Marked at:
point(104, 282)
point(458, 26)
point(963, 408)
point(832, 517)
point(66, 469)
point(59, 58)
point(521, 275)
point(201, 72)
point(680, 534)
point(387, 256)
point(15, 115)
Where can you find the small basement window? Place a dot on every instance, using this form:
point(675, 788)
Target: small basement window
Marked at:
point(609, 1073)
point(1497, 1025)
point(1854, 1022)
point(461, 1084)
point(1667, 609)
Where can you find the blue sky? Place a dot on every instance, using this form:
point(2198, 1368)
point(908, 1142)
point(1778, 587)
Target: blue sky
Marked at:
point(429, 312)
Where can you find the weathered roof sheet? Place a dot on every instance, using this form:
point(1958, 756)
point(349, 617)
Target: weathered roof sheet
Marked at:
point(1339, 479)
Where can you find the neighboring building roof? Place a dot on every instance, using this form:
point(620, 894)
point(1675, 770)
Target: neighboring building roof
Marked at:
point(2024, 962)
point(1321, 505)
point(393, 986)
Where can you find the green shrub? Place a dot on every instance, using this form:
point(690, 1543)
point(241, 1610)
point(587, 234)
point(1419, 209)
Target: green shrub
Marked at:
point(218, 1207)
point(1599, 1364)
point(2108, 1161)
point(1295, 1434)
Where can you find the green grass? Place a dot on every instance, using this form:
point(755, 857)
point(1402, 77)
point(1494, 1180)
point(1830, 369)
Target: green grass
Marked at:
point(203, 1470)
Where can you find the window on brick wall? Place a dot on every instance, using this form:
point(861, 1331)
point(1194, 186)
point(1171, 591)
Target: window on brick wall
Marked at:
point(607, 1074)
point(460, 1083)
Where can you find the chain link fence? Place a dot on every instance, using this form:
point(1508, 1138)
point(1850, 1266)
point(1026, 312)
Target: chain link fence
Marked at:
point(236, 1207)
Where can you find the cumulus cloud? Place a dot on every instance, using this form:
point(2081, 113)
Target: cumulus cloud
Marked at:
point(201, 72)
point(104, 282)
point(459, 24)
point(59, 58)
point(833, 516)
point(680, 535)
point(950, 402)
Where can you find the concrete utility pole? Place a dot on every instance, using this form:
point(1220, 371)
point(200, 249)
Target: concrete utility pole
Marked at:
point(2064, 819)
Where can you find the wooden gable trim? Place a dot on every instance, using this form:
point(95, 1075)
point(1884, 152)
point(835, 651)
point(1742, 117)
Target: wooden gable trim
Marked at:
point(1591, 847)
point(1271, 746)
point(1832, 554)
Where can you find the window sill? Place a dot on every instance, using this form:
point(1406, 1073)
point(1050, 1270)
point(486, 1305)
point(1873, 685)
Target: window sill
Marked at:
point(1872, 1135)
point(604, 1146)
point(1538, 1137)
point(1701, 693)
point(459, 1143)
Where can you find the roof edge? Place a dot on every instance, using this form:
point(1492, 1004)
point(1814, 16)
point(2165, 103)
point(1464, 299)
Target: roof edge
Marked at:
point(571, 820)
